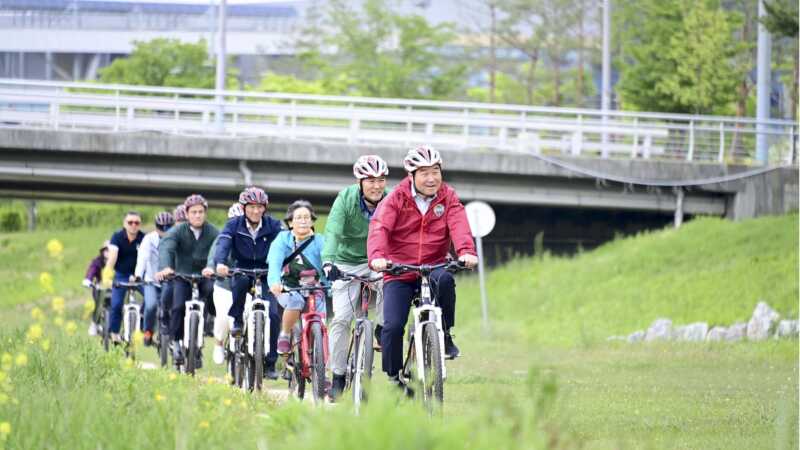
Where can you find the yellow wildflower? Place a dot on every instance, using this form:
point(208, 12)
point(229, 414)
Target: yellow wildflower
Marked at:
point(46, 282)
point(58, 305)
point(54, 248)
point(71, 327)
point(7, 359)
point(159, 397)
point(172, 376)
point(37, 313)
point(58, 321)
point(5, 430)
point(227, 402)
point(88, 308)
point(21, 360)
point(45, 344)
point(35, 332)
point(204, 424)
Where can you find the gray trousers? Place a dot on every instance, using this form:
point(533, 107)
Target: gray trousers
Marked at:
point(346, 299)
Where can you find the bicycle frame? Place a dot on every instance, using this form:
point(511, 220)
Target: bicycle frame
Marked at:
point(307, 319)
point(194, 306)
point(255, 306)
point(427, 312)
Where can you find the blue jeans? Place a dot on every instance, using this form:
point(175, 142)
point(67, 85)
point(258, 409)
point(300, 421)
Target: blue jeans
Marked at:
point(151, 295)
point(117, 300)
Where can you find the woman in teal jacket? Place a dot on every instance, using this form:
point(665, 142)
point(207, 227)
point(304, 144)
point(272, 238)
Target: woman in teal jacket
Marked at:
point(305, 267)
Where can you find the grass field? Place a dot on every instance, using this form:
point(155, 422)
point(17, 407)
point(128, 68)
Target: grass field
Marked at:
point(545, 377)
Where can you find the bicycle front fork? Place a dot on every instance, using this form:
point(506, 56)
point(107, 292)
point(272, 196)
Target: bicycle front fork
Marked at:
point(424, 315)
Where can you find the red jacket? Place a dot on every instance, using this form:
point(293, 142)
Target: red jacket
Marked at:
point(400, 233)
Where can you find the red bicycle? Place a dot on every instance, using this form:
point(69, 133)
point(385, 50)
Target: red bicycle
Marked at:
point(308, 358)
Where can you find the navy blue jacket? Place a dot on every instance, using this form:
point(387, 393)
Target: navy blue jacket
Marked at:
point(247, 253)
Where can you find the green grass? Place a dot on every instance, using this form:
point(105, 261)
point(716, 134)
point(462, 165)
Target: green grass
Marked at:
point(544, 378)
point(710, 270)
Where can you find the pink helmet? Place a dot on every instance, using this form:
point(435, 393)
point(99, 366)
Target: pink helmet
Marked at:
point(253, 195)
point(164, 220)
point(180, 213)
point(235, 210)
point(194, 200)
point(370, 166)
point(422, 156)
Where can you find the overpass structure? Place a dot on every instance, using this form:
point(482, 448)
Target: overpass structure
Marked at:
point(125, 143)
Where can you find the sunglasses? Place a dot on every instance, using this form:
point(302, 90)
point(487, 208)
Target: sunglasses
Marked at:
point(133, 222)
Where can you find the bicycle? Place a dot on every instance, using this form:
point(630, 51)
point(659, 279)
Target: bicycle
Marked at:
point(360, 353)
point(193, 321)
point(131, 314)
point(164, 339)
point(309, 342)
point(426, 338)
point(246, 353)
point(101, 317)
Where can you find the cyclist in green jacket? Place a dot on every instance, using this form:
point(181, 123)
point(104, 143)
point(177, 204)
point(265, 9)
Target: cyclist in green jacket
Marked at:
point(346, 250)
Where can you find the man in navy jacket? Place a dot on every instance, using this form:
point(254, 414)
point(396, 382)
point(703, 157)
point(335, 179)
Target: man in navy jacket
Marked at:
point(246, 239)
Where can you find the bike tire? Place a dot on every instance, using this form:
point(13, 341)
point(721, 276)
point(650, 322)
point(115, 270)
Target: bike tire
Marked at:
point(433, 390)
point(163, 349)
point(258, 351)
point(106, 318)
point(238, 369)
point(191, 357)
point(317, 363)
point(133, 325)
point(363, 363)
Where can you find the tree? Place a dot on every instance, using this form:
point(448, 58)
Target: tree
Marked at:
point(166, 62)
point(376, 51)
point(781, 20)
point(681, 57)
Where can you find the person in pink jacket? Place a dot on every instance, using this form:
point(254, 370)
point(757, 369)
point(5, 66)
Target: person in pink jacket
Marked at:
point(417, 223)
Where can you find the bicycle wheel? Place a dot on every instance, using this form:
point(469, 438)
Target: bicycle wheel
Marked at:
point(191, 357)
point(239, 368)
point(105, 317)
point(363, 363)
point(297, 384)
point(432, 360)
point(317, 363)
point(163, 348)
point(133, 325)
point(258, 351)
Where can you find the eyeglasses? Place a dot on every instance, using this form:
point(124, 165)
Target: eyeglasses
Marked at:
point(133, 222)
point(303, 218)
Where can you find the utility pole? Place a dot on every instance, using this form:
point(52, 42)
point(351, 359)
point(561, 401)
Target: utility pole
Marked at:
point(220, 85)
point(762, 86)
point(605, 95)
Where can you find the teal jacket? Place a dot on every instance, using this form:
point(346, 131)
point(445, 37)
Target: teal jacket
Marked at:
point(283, 246)
point(189, 254)
point(346, 228)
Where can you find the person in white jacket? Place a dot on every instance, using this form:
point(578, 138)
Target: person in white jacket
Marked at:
point(146, 268)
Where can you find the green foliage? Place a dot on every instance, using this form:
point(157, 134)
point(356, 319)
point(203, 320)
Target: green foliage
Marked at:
point(273, 82)
point(711, 270)
point(166, 62)
point(680, 57)
point(781, 17)
point(380, 52)
point(10, 221)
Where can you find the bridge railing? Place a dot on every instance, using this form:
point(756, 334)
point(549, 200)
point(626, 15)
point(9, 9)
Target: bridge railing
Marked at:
point(378, 121)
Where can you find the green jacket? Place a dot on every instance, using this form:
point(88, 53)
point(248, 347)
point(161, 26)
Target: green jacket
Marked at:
point(346, 229)
point(189, 254)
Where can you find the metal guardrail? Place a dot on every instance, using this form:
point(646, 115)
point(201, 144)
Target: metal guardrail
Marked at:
point(378, 121)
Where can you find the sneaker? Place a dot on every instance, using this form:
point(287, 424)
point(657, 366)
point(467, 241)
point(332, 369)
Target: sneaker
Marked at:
point(450, 349)
point(269, 372)
point(116, 338)
point(284, 346)
point(339, 382)
point(219, 354)
point(148, 338)
point(177, 352)
point(405, 388)
point(92, 329)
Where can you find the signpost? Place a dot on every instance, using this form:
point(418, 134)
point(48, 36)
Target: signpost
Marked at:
point(481, 222)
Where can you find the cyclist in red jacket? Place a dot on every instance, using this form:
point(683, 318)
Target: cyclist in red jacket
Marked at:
point(417, 224)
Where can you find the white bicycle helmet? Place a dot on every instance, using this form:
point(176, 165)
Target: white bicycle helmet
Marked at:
point(370, 166)
point(235, 210)
point(422, 156)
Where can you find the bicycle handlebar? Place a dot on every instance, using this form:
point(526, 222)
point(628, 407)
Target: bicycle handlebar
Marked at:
point(135, 284)
point(191, 277)
point(346, 276)
point(450, 266)
point(315, 287)
point(247, 272)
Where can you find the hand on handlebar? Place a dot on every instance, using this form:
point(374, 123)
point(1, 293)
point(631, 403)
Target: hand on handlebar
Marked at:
point(222, 270)
point(87, 283)
point(380, 264)
point(470, 261)
point(207, 272)
point(332, 273)
point(164, 274)
point(276, 289)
